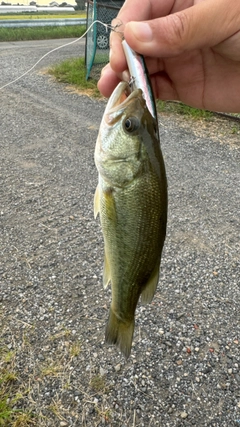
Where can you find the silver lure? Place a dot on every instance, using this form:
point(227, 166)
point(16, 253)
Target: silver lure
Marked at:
point(139, 77)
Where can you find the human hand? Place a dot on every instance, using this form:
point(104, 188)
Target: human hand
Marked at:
point(192, 50)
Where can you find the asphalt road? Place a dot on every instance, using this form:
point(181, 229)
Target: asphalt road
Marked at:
point(184, 366)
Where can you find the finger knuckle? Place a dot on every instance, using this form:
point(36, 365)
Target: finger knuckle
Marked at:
point(179, 30)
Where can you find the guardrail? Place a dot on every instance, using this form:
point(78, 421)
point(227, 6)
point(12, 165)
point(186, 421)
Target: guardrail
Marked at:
point(18, 23)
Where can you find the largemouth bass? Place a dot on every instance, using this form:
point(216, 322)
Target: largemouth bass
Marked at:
point(131, 198)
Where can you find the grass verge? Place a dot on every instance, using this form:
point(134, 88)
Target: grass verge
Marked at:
point(179, 108)
point(73, 72)
point(40, 33)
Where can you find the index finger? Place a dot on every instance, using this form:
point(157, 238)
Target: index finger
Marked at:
point(132, 11)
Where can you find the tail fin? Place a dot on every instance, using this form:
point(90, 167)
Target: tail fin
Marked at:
point(119, 333)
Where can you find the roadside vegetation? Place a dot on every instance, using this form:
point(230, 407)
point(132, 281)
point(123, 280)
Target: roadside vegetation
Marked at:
point(40, 33)
point(180, 108)
point(73, 72)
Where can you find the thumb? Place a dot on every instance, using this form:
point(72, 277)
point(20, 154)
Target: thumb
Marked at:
point(202, 25)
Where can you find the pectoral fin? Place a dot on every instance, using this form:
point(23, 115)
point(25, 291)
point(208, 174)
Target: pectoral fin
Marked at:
point(150, 288)
point(106, 272)
point(109, 212)
point(96, 202)
point(109, 205)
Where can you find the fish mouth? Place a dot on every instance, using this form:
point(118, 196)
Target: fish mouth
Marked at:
point(121, 98)
point(121, 95)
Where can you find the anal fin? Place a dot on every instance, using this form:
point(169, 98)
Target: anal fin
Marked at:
point(151, 286)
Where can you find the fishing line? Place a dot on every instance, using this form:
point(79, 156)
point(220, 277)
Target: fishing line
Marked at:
point(107, 26)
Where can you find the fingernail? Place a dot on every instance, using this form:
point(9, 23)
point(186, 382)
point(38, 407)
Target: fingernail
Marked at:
point(104, 69)
point(125, 76)
point(142, 31)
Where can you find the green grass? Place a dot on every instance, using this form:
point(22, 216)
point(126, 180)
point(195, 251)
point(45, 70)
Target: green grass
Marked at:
point(179, 108)
point(73, 72)
point(10, 417)
point(40, 33)
point(98, 383)
point(5, 412)
point(9, 394)
point(102, 57)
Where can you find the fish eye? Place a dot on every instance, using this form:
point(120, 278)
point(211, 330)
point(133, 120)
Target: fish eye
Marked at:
point(131, 124)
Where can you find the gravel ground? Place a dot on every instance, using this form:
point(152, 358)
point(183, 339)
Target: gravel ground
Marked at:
point(184, 366)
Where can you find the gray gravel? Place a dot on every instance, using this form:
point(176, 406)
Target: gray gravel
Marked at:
point(184, 366)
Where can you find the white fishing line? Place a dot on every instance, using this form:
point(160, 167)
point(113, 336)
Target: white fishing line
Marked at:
point(107, 26)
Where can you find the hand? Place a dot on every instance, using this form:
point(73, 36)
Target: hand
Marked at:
point(192, 50)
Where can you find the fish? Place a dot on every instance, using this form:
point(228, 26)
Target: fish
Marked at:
point(131, 200)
